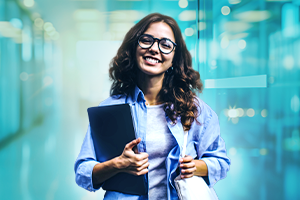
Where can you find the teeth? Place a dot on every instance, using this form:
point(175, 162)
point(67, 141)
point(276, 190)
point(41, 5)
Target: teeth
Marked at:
point(152, 60)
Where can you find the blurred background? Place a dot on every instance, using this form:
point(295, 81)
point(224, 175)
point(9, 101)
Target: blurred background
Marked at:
point(54, 58)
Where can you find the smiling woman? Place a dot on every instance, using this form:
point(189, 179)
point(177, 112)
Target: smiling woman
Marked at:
point(152, 61)
point(153, 72)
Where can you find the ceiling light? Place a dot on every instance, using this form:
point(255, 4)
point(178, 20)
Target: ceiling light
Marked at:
point(187, 15)
point(8, 30)
point(238, 36)
point(90, 27)
point(236, 26)
point(235, 1)
point(201, 26)
point(254, 15)
point(87, 15)
point(125, 15)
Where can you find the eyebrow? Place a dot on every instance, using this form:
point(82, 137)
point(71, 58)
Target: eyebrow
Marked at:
point(159, 38)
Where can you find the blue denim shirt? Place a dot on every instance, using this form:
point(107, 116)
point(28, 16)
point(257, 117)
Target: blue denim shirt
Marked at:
point(204, 142)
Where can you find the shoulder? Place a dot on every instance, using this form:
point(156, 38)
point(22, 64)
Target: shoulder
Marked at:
point(114, 100)
point(206, 113)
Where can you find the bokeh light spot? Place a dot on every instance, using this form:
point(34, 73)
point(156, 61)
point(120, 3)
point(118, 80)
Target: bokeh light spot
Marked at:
point(28, 3)
point(225, 10)
point(232, 113)
point(17, 23)
point(183, 3)
point(232, 151)
point(240, 112)
point(250, 112)
point(264, 113)
point(38, 22)
point(47, 81)
point(24, 76)
point(242, 44)
point(189, 31)
point(263, 151)
point(288, 62)
point(295, 104)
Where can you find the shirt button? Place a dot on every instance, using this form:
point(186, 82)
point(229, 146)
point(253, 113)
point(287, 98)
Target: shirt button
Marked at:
point(89, 188)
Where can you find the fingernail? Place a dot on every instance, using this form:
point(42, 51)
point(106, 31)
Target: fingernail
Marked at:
point(180, 160)
point(182, 171)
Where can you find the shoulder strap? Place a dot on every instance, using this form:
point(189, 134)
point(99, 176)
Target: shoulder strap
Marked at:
point(184, 143)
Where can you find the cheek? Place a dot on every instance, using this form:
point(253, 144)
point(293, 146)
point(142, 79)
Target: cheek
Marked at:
point(139, 53)
point(170, 58)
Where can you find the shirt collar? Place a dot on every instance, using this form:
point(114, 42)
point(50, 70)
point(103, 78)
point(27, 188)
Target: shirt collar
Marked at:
point(138, 95)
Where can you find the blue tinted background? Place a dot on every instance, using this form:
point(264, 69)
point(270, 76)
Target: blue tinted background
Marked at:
point(54, 58)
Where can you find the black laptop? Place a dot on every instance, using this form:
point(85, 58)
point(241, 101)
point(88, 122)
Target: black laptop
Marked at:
point(112, 128)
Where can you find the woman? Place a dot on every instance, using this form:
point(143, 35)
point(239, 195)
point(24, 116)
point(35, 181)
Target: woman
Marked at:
point(153, 71)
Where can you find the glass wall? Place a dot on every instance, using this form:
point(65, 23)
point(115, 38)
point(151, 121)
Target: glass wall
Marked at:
point(251, 73)
point(54, 63)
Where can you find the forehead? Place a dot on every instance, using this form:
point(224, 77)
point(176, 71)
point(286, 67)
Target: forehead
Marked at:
point(160, 30)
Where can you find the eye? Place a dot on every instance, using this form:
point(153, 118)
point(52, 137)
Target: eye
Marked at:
point(146, 40)
point(166, 44)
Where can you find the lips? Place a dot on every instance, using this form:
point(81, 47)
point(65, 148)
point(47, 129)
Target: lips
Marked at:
point(151, 60)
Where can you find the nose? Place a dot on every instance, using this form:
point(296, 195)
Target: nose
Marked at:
point(154, 48)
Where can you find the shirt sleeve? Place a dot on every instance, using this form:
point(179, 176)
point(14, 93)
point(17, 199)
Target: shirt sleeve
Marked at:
point(85, 163)
point(213, 151)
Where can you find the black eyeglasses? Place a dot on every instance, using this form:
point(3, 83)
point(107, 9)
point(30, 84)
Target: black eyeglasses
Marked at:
point(165, 45)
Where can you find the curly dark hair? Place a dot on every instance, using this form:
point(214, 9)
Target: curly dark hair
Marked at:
point(179, 85)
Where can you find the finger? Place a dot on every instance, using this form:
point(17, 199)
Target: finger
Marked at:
point(144, 171)
point(188, 171)
point(187, 165)
point(144, 166)
point(186, 175)
point(133, 143)
point(186, 159)
point(142, 162)
point(142, 156)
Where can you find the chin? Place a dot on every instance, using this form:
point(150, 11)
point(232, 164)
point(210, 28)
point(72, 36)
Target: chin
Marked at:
point(151, 71)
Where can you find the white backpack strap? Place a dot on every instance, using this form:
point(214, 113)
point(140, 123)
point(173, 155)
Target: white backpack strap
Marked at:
point(184, 143)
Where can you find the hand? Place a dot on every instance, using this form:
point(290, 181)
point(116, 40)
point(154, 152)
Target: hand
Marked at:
point(188, 167)
point(132, 162)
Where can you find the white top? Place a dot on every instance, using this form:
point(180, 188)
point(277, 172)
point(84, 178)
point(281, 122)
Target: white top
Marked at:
point(159, 142)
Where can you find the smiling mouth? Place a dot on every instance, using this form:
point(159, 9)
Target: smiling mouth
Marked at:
point(152, 60)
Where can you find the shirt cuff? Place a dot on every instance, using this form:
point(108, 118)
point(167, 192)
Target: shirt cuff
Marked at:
point(84, 175)
point(213, 173)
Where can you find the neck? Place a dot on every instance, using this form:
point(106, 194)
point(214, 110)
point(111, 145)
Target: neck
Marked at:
point(151, 86)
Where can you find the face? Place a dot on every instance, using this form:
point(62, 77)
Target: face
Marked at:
point(152, 61)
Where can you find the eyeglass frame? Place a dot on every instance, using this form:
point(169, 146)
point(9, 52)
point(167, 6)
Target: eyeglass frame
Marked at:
point(157, 39)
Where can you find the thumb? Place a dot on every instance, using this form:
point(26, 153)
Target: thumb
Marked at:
point(132, 144)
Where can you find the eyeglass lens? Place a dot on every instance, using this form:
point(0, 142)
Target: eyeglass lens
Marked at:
point(165, 45)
